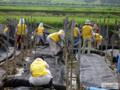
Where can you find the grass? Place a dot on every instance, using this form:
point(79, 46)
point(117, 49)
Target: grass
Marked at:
point(57, 21)
point(78, 14)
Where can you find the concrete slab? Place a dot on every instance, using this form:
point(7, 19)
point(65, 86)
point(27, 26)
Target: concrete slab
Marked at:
point(94, 71)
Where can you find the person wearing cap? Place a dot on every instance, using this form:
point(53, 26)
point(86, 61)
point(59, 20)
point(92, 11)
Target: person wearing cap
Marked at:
point(55, 39)
point(40, 33)
point(87, 30)
point(21, 32)
point(40, 73)
point(98, 39)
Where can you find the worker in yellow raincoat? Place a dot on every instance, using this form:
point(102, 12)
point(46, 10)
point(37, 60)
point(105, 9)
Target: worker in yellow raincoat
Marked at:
point(87, 35)
point(40, 33)
point(40, 73)
point(21, 32)
point(6, 29)
point(98, 39)
point(76, 35)
point(54, 40)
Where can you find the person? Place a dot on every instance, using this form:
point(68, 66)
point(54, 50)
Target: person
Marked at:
point(87, 36)
point(55, 39)
point(21, 32)
point(96, 29)
point(6, 29)
point(40, 31)
point(76, 35)
point(40, 73)
point(118, 63)
point(98, 39)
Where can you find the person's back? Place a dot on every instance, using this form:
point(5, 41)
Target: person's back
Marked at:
point(40, 30)
point(87, 31)
point(40, 34)
point(98, 37)
point(98, 40)
point(38, 68)
point(21, 29)
point(21, 32)
point(6, 29)
point(76, 36)
point(87, 34)
point(76, 32)
point(54, 36)
point(55, 41)
point(40, 73)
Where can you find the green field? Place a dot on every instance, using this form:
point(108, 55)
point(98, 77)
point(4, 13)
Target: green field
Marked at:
point(57, 21)
point(54, 15)
point(99, 9)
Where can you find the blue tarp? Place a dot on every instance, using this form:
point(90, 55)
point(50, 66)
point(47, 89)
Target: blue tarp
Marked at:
point(95, 88)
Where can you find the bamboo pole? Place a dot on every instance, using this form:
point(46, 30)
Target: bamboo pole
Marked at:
point(7, 48)
point(106, 45)
point(119, 37)
point(78, 65)
point(66, 54)
point(15, 45)
point(71, 61)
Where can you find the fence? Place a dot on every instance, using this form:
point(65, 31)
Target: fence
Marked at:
point(111, 40)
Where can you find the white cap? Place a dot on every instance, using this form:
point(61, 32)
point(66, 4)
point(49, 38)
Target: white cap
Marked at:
point(39, 59)
point(87, 22)
point(41, 24)
point(21, 21)
point(61, 31)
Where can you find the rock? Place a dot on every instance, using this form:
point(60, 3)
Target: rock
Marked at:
point(2, 76)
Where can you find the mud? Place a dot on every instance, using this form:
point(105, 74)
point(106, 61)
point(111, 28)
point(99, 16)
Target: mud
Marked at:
point(56, 67)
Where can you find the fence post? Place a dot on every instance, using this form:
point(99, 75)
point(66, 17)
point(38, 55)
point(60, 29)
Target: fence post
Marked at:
point(66, 54)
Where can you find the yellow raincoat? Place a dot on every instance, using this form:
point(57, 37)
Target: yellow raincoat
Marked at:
point(5, 29)
point(40, 30)
point(55, 37)
point(87, 31)
point(98, 37)
point(76, 32)
point(21, 29)
point(38, 68)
